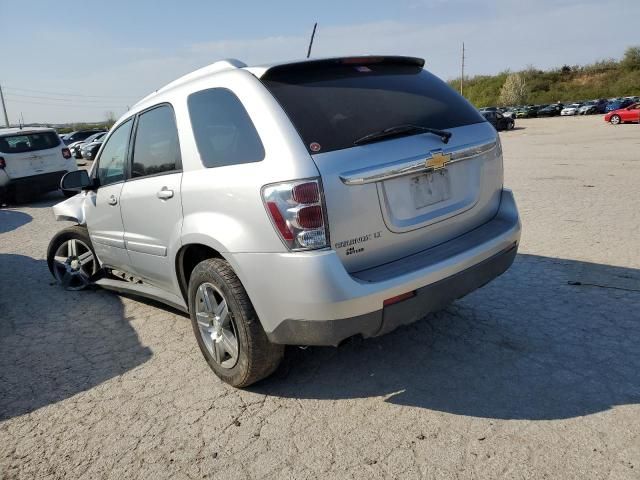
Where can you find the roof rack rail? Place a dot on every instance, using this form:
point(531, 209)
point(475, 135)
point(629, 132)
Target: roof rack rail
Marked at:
point(219, 66)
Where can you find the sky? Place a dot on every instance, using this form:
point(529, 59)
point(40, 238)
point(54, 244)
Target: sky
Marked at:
point(65, 61)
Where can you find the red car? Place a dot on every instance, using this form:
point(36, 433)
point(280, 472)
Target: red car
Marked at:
point(622, 115)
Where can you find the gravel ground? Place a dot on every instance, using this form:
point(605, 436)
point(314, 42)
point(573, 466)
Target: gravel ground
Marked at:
point(528, 377)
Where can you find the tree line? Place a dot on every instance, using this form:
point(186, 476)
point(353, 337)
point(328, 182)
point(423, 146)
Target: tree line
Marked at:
point(602, 79)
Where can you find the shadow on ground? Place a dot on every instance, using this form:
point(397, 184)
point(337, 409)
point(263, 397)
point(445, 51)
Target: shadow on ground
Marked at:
point(527, 346)
point(36, 200)
point(55, 344)
point(12, 219)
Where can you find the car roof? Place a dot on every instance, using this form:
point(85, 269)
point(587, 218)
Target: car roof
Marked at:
point(259, 71)
point(25, 130)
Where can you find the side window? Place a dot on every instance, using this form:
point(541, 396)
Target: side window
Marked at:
point(156, 149)
point(222, 129)
point(112, 161)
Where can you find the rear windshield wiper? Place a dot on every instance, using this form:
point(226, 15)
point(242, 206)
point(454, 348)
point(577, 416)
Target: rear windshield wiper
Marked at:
point(402, 130)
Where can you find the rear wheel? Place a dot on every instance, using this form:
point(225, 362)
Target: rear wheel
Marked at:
point(615, 120)
point(227, 328)
point(71, 258)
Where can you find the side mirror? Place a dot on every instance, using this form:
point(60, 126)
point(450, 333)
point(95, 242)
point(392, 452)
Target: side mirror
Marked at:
point(75, 181)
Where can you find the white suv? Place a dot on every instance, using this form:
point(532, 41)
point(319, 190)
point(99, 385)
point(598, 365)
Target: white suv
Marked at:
point(32, 160)
point(299, 203)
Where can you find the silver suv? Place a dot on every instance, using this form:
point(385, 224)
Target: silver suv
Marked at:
point(299, 203)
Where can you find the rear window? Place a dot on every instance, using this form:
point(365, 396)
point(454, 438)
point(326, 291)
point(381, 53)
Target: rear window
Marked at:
point(29, 142)
point(224, 133)
point(334, 105)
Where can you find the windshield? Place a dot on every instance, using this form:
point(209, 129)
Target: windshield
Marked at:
point(29, 142)
point(336, 105)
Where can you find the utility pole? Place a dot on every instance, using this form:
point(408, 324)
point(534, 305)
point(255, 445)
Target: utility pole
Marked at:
point(462, 70)
point(4, 108)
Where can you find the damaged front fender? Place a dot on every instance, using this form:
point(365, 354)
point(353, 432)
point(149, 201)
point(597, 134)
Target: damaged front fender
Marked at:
point(72, 210)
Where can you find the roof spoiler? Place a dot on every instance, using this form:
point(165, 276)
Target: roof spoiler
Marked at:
point(361, 60)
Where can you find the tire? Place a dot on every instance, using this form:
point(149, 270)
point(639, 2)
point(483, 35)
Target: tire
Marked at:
point(218, 328)
point(510, 125)
point(615, 120)
point(71, 258)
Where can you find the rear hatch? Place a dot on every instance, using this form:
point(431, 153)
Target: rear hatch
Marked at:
point(28, 153)
point(399, 193)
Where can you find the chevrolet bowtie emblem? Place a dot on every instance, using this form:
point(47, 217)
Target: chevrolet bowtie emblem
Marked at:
point(438, 160)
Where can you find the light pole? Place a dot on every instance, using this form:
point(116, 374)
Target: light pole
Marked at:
point(4, 108)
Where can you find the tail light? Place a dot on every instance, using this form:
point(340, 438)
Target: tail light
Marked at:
point(297, 212)
point(66, 153)
point(2, 163)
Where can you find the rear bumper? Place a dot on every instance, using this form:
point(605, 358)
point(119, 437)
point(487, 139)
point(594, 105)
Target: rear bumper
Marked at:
point(427, 299)
point(44, 182)
point(312, 300)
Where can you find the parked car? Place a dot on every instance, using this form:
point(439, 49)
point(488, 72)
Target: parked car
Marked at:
point(76, 147)
point(570, 109)
point(551, 110)
point(617, 104)
point(79, 135)
point(629, 114)
point(527, 112)
point(89, 150)
point(498, 120)
point(32, 160)
point(592, 107)
point(336, 177)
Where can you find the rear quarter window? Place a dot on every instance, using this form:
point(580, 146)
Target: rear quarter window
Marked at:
point(29, 142)
point(224, 133)
point(335, 105)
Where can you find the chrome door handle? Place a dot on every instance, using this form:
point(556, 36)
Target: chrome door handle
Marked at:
point(164, 193)
point(112, 200)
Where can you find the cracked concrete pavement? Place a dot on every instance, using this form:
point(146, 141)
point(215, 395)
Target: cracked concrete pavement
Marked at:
point(536, 375)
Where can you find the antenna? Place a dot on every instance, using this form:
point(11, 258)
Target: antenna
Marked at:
point(462, 70)
point(313, 34)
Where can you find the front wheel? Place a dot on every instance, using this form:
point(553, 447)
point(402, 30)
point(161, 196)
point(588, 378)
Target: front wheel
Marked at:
point(227, 327)
point(71, 258)
point(615, 120)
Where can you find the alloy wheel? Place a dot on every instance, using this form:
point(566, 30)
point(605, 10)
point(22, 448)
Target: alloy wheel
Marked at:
point(74, 264)
point(216, 325)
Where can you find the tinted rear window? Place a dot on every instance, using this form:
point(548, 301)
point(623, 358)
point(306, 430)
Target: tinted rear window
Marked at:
point(224, 133)
point(335, 105)
point(29, 142)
